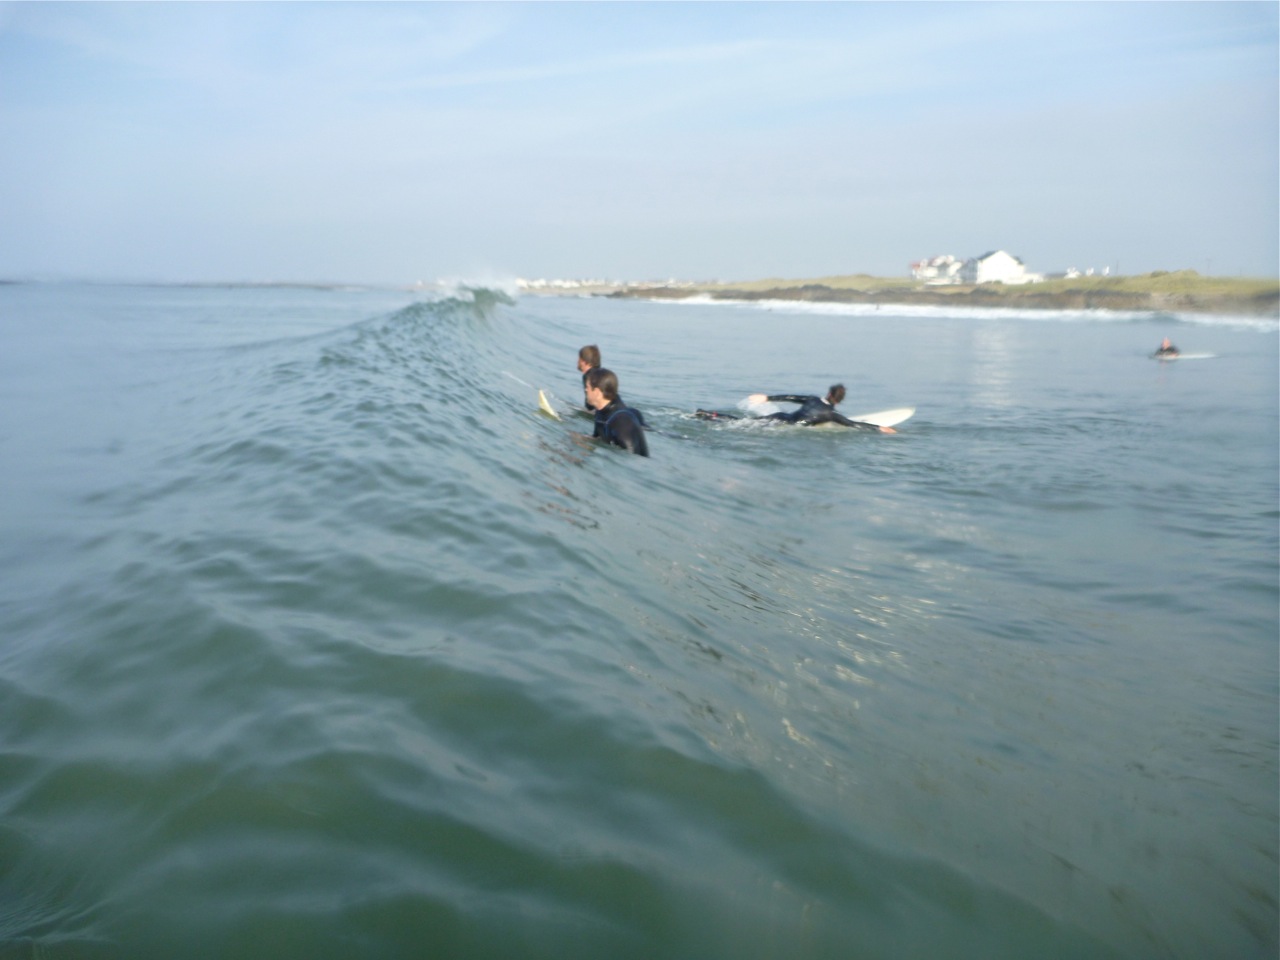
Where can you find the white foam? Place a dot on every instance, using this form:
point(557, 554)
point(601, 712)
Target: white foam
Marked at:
point(934, 311)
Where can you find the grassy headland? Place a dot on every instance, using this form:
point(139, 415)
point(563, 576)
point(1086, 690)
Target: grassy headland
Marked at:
point(1182, 290)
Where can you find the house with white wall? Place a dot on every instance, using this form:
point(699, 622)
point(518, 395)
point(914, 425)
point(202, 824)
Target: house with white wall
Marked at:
point(997, 267)
point(937, 270)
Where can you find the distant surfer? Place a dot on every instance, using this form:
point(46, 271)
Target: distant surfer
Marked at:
point(813, 410)
point(1167, 350)
point(616, 423)
point(588, 360)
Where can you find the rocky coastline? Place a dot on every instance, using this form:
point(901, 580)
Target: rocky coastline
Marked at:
point(1244, 297)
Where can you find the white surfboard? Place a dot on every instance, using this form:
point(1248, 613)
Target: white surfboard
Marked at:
point(544, 406)
point(1183, 356)
point(886, 418)
point(881, 418)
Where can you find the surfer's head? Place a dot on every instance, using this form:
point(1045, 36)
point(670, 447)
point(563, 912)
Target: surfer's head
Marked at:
point(606, 381)
point(835, 394)
point(588, 358)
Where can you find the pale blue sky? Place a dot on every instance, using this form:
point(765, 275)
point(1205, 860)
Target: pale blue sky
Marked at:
point(404, 142)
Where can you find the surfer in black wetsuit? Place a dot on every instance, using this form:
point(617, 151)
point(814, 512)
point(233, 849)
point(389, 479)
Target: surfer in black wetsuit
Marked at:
point(616, 423)
point(813, 410)
point(1167, 349)
point(588, 360)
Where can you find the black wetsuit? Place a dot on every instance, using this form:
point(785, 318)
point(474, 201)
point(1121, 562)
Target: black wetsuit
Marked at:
point(622, 426)
point(813, 410)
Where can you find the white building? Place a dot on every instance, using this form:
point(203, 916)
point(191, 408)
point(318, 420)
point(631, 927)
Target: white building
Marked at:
point(937, 270)
point(1072, 273)
point(997, 267)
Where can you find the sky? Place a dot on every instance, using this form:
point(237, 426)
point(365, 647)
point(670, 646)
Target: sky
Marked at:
point(404, 142)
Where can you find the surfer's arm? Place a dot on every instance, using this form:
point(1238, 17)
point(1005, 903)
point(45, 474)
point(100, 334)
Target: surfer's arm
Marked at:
point(786, 398)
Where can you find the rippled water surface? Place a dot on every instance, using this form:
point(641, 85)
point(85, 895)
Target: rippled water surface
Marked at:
point(317, 640)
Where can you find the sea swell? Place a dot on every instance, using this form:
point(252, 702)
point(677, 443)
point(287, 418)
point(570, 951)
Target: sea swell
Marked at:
point(345, 649)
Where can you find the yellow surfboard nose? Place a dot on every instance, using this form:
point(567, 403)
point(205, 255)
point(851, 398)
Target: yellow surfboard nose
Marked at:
point(545, 406)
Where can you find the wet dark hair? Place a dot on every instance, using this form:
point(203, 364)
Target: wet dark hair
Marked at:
point(835, 394)
point(590, 355)
point(606, 381)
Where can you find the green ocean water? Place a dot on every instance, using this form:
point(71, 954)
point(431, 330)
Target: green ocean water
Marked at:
point(317, 640)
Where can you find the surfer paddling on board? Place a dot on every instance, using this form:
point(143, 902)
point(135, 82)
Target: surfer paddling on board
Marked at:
point(588, 360)
point(616, 423)
point(1167, 349)
point(813, 410)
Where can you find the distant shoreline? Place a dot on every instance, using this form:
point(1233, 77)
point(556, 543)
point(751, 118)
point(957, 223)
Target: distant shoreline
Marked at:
point(1181, 292)
point(1184, 291)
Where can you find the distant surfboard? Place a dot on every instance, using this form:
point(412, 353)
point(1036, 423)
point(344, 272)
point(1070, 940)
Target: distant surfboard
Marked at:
point(1168, 358)
point(544, 406)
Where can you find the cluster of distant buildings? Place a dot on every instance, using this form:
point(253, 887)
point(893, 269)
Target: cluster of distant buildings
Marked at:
point(994, 267)
point(587, 286)
point(555, 286)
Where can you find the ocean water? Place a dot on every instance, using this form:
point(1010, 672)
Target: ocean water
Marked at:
point(317, 640)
